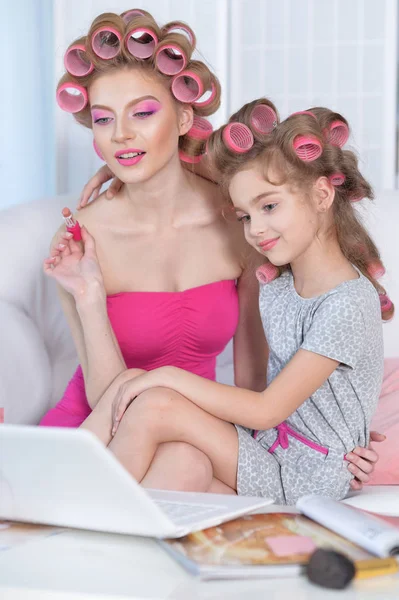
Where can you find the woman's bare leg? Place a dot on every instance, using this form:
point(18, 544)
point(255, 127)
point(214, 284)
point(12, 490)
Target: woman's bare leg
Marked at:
point(160, 415)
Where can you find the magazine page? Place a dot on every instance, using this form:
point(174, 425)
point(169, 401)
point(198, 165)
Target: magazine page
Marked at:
point(261, 542)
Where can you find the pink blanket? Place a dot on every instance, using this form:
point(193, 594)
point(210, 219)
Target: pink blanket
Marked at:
point(386, 420)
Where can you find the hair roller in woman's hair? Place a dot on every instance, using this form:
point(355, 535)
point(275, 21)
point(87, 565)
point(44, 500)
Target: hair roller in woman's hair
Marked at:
point(338, 133)
point(141, 42)
point(212, 93)
point(76, 61)
point(170, 59)
point(106, 42)
point(179, 27)
point(263, 118)
point(307, 148)
point(187, 86)
point(238, 137)
point(187, 158)
point(266, 273)
point(128, 15)
point(337, 179)
point(71, 97)
point(376, 269)
point(201, 129)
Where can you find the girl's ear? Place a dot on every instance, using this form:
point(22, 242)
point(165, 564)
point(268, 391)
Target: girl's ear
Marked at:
point(324, 194)
point(186, 116)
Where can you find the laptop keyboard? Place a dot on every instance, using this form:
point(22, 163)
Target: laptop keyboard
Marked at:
point(179, 512)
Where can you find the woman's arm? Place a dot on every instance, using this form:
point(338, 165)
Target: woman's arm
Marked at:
point(256, 410)
point(250, 345)
point(83, 299)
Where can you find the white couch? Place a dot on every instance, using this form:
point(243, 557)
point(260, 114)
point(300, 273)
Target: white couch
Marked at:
point(37, 356)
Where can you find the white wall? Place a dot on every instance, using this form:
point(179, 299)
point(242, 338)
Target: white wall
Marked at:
point(335, 53)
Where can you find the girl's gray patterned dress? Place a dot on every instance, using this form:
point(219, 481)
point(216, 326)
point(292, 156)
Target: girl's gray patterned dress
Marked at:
point(344, 324)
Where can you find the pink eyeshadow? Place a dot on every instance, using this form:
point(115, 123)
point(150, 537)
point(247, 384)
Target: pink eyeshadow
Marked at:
point(148, 106)
point(99, 114)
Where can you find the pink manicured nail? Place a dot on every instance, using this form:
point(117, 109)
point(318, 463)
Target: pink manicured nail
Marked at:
point(61, 246)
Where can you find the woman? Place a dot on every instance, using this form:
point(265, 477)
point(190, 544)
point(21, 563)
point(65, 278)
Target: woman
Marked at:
point(163, 282)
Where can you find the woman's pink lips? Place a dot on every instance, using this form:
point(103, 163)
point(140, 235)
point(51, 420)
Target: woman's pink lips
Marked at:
point(268, 244)
point(127, 162)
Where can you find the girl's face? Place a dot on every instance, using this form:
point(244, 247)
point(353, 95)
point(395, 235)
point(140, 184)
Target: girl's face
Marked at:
point(278, 223)
point(136, 123)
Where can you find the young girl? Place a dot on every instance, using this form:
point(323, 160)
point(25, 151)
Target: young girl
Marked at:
point(293, 189)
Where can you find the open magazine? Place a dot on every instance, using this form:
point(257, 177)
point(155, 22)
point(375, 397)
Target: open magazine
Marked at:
point(280, 544)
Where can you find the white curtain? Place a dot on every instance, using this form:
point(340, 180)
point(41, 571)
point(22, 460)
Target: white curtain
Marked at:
point(27, 148)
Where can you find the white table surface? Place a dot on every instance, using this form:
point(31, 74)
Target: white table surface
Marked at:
point(82, 565)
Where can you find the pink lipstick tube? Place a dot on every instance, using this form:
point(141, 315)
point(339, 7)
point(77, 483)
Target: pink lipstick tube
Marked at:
point(71, 225)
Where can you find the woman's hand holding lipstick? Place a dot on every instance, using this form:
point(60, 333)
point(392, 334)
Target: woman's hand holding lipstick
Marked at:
point(76, 268)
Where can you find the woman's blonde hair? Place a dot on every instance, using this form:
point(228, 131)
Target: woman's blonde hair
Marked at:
point(163, 39)
point(274, 152)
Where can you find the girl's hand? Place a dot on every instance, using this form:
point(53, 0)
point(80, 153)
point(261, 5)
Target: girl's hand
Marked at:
point(128, 391)
point(75, 265)
point(92, 189)
point(363, 461)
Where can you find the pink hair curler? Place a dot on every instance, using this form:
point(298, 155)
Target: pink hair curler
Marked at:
point(307, 148)
point(386, 303)
point(376, 269)
point(76, 61)
point(187, 86)
point(304, 112)
point(71, 225)
point(141, 42)
point(201, 129)
point(338, 133)
point(266, 273)
point(238, 137)
point(170, 60)
point(182, 27)
point(106, 42)
point(71, 97)
point(130, 14)
point(189, 158)
point(337, 179)
point(263, 118)
point(208, 98)
point(356, 197)
point(97, 150)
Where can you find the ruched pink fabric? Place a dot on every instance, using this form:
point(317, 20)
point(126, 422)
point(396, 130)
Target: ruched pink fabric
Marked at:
point(187, 329)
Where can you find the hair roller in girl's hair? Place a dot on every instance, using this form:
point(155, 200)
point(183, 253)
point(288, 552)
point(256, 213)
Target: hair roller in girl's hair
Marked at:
point(238, 137)
point(338, 133)
point(170, 59)
point(128, 15)
point(179, 27)
point(375, 269)
point(307, 148)
point(266, 273)
point(337, 179)
point(188, 158)
point(263, 118)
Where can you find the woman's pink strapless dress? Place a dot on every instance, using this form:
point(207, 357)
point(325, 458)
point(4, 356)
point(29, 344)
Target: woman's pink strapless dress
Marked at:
point(186, 329)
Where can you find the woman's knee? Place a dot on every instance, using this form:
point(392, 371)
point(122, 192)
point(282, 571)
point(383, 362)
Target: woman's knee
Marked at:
point(153, 406)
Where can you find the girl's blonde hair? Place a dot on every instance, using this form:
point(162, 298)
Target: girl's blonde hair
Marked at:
point(274, 152)
point(191, 146)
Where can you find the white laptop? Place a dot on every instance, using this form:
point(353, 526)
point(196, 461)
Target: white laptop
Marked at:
point(67, 477)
